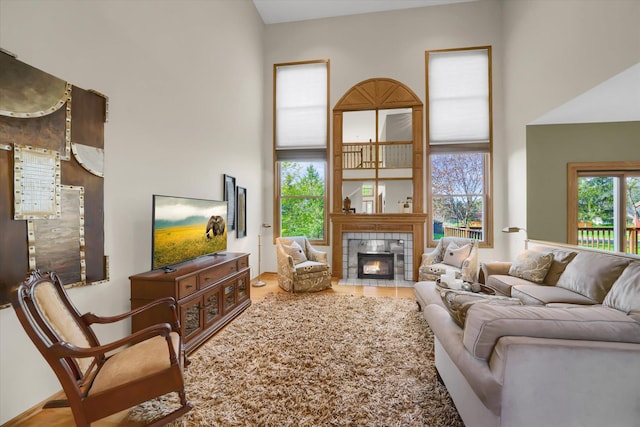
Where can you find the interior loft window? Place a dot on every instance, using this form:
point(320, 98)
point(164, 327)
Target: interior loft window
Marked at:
point(459, 143)
point(301, 117)
point(604, 206)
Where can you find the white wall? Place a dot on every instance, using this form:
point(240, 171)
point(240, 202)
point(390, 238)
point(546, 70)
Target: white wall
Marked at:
point(196, 77)
point(544, 53)
point(185, 84)
point(553, 52)
point(387, 44)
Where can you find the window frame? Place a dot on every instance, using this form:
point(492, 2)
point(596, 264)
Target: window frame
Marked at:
point(463, 147)
point(576, 170)
point(301, 155)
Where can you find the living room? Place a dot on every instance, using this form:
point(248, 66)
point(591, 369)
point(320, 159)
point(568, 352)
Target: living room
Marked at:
point(190, 99)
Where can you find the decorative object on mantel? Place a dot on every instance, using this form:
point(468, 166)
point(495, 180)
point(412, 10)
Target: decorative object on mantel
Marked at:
point(347, 205)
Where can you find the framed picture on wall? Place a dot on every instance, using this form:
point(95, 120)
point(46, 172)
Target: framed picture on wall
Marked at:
point(242, 212)
point(229, 192)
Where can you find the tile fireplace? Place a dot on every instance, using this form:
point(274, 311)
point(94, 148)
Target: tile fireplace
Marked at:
point(401, 234)
point(376, 265)
point(386, 256)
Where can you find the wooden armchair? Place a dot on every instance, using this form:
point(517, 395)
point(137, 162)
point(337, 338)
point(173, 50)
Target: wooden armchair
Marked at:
point(100, 380)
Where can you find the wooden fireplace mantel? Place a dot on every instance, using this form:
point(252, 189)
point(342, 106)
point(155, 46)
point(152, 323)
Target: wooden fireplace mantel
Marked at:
point(413, 223)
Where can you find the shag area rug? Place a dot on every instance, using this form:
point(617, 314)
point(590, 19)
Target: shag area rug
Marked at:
point(315, 360)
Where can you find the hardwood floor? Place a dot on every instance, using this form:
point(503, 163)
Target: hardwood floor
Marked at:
point(62, 417)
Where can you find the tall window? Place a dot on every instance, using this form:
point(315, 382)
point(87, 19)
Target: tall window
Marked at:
point(604, 206)
point(301, 128)
point(459, 124)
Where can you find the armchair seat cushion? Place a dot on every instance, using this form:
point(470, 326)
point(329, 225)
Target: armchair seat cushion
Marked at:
point(308, 267)
point(138, 361)
point(434, 271)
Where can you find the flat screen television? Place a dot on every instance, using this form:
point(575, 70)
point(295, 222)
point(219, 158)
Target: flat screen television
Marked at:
point(185, 229)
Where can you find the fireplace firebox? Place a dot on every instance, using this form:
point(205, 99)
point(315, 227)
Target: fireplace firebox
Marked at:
point(375, 265)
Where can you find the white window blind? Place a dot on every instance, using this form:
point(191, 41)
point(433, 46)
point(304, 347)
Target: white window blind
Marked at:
point(458, 96)
point(301, 106)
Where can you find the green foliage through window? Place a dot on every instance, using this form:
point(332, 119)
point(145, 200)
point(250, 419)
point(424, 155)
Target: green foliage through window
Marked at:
point(302, 199)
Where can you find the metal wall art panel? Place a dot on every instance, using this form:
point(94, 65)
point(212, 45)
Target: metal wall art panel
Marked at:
point(58, 245)
point(39, 228)
point(36, 183)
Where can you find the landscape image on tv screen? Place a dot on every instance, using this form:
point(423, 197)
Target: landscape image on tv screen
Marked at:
point(184, 229)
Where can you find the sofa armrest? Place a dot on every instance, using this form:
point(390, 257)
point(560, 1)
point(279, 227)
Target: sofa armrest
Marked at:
point(494, 267)
point(486, 324)
point(545, 380)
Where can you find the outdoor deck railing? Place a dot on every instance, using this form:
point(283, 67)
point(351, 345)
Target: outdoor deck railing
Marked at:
point(590, 237)
point(469, 233)
point(603, 238)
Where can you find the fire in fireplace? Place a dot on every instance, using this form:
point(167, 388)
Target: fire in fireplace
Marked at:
point(375, 265)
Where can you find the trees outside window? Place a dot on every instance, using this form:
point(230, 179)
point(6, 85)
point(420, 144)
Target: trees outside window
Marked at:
point(302, 199)
point(604, 205)
point(300, 135)
point(457, 188)
point(460, 143)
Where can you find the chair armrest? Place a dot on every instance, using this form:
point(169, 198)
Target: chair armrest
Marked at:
point(65, 349)
point(470, 266)
point(429, 258)
point(90, 318)
point(284, 262)
point(316, 255)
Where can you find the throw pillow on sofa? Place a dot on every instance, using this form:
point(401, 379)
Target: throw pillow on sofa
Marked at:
point(455, 256)
point(560, 260)
point(531, 265)
point(458, 303)
point(592, 274)
point(625, 292)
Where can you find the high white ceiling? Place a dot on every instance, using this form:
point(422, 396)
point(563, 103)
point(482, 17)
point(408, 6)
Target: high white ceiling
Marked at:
point(617, 99)
point(614, 100)
point(278, 11)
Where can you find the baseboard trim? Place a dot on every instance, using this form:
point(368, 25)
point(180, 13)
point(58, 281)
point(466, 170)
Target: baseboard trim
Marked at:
point(20, 418)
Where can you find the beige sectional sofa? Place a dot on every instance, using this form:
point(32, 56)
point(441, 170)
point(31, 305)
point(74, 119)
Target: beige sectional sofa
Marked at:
point(565, 353)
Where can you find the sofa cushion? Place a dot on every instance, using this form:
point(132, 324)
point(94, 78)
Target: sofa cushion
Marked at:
point(458, 303)
point(592, 274)
point(486, 323)
point(531, 265)
point(561, 258)
point(504, 283)
point(531, 294)
point(625, 292)
point(455, 255)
